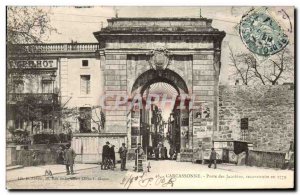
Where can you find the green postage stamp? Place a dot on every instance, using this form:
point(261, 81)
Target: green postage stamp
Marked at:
point(261, 33)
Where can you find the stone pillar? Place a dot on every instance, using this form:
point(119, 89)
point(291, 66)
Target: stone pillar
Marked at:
point(205, 92)
point(115, 84)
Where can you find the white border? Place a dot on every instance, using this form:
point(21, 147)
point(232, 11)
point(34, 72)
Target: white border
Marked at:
point(4, 3)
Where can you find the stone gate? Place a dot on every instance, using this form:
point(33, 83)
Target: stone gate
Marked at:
point(184, 52)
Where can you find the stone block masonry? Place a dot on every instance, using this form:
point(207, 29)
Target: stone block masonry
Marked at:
point(269, 109)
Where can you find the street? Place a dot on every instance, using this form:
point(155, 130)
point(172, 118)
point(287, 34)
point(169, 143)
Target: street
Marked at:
point(163, 175)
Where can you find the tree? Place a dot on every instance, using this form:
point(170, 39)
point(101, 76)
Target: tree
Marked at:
point(27, 24)
point(277, 68)
point(95, 115)
point(29, 109)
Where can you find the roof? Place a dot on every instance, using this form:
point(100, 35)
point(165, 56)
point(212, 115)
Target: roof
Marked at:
point(159, 26)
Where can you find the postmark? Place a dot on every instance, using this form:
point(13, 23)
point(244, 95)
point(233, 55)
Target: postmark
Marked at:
point(261, 33)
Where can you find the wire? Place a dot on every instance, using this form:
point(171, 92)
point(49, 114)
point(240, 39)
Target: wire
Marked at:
point(82, 15)
point(224, 20)
point(233, 22)
point(77, 21)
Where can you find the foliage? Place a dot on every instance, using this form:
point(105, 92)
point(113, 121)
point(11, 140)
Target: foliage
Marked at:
point(30, 109)
point(27, 24)
point(95, 114)
point(277, 68)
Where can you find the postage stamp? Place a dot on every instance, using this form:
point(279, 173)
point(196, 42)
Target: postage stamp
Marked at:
point(261, 33)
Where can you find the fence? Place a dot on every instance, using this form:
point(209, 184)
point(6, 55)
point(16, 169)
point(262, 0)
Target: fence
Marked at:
point(35, 157)
point(55, 47)
point(272, 159)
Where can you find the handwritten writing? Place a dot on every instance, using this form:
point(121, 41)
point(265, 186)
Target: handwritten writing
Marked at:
point(145, 181)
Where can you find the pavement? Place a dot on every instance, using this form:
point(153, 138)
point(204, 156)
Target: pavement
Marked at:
point(165, 174)
point(18, 172)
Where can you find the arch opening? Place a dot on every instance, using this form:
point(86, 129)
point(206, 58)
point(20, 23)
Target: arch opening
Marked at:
point(151, 76)
point(160, 127)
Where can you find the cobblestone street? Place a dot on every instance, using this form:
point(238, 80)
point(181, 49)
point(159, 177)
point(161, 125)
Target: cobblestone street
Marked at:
point(163, 175)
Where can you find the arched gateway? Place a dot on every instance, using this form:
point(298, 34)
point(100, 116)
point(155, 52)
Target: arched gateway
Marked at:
point(183, 52)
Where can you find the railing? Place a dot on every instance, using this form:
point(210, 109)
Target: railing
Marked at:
point(43, 98)
point(54, 47)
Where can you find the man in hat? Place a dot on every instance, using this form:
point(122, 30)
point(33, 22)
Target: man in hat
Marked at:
point(112, 155)
point(69, 159)
point(213, 158)
point(123, 154)
point(138, 153)
point(105, 155)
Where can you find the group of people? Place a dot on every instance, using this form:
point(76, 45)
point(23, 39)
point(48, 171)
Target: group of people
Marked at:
point(109, 157)
point(161, 152)
point(67, 156)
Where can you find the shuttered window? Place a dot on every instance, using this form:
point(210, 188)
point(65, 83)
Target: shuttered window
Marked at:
point(85, 84)
point(47, 86)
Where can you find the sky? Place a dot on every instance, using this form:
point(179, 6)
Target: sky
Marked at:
point(79, 23)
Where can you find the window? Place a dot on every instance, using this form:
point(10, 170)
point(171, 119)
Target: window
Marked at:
point(47, 124)
point(84, 119)
point(85, 63)
point(18, 86)
point(47, 86)
point(19, 123)
point(85, 84)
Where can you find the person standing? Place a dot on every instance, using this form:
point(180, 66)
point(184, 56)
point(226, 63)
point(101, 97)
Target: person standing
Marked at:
point(156, 152)
point(123, 155)
point(105, 156)
point(138, 154)
point(163, 152)
point(213, 158)
point(60, 155)
point(69, 159)
point(112, 155)
point(166, 152)
point(171, 152)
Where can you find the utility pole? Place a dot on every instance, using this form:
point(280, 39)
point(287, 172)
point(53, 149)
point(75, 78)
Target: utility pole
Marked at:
point(116, 12)
point(200, 14)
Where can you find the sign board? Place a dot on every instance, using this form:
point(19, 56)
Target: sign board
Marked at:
point(204, 112)
point(184, 132)
point(244, 123)
point(135, 122)
point(199, 130)
point(134, 141)
point(32, 64)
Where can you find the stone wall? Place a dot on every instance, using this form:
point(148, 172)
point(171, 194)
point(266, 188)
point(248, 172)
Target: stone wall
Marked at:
point(269, 109)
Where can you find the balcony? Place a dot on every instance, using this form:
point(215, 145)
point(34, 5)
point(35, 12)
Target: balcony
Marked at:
point(42, 98)
point(54, 48)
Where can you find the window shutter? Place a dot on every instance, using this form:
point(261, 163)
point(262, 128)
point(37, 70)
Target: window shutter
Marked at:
point(85, 84)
